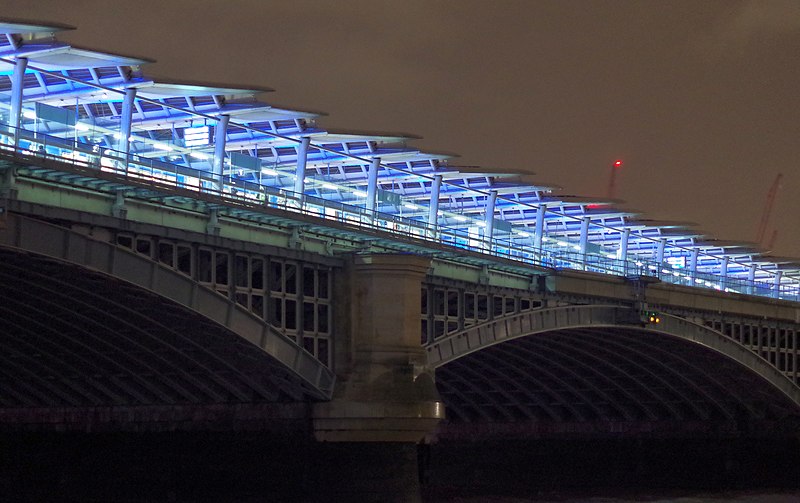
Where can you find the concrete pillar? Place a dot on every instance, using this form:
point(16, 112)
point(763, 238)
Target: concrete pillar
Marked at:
point(433, 213)
point(385, 401)
point(751, 279)
point(220, 137)
point(17, 83)
point(300, 173)
point(372, 183)
point(385, 390)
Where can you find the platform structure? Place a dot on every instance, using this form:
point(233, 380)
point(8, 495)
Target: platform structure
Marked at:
point(101, 111)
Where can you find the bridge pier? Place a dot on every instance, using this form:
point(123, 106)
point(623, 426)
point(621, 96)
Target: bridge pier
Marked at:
point(385, 401)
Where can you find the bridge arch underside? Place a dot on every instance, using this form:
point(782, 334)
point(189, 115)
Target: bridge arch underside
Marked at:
point(82, 350)
point(601, 381)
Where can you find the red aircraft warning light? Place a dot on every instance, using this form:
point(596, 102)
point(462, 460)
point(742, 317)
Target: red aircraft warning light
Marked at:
point(612, 178)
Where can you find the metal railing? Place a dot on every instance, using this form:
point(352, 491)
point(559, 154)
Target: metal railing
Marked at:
point(166, 176)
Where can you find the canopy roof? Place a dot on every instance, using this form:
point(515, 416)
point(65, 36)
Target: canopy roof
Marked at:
point(175, 122)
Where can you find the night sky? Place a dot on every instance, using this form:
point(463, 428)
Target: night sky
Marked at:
point(701, 99)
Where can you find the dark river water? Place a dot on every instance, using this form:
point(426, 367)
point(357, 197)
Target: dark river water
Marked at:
point(776, 496)
point(252, 468)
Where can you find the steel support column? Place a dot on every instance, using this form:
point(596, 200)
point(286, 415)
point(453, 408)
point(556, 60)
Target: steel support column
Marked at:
point(372, 183)
point(489, 222)
point(723, 273)
point(220, 137)
point(300, 173)
point(662, 243)
point(751, 279)
point(538, 231)
point(17, 83)
point(776, 287)
point(624, 237)
point(433, 212)
point(584, 239)
point(125, 120)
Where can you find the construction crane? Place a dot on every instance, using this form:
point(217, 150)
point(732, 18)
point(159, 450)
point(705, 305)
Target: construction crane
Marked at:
point(612, 179)
point(762, 226)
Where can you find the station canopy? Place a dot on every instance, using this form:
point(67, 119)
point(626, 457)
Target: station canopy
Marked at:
point(177, 123)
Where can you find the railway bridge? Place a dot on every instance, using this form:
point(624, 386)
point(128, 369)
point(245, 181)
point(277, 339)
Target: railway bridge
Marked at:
point(185, 258)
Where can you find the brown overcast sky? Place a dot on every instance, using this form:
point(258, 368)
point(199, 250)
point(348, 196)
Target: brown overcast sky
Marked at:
point(701, 99)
